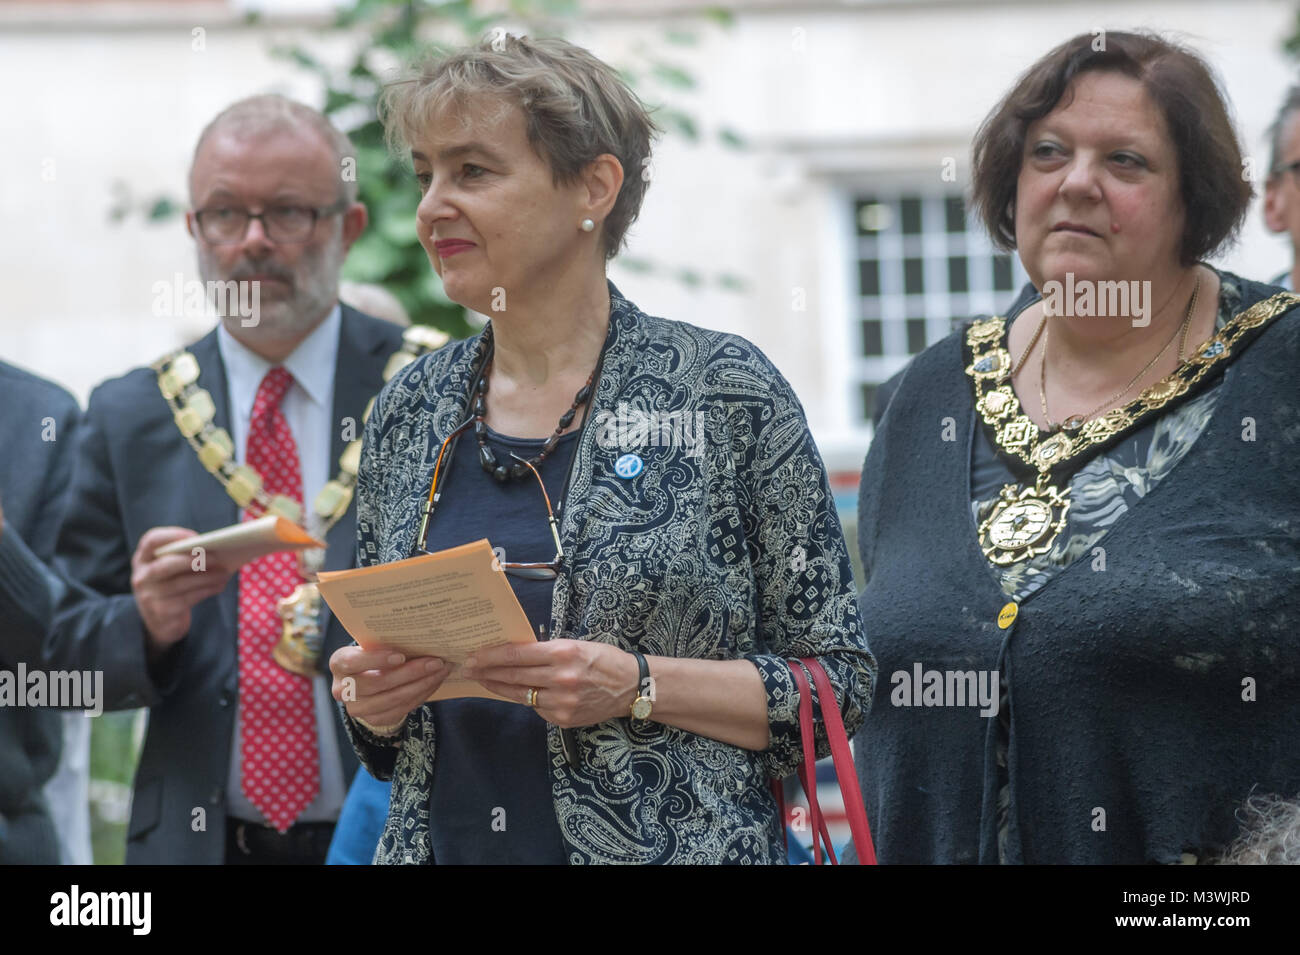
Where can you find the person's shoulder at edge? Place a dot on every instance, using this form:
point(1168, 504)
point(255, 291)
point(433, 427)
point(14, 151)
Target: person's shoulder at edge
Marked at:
point(1253, 290)
point(136, 389)
point(141, 382)
point(1281, 340)
point(20, 381)
point(422, 380)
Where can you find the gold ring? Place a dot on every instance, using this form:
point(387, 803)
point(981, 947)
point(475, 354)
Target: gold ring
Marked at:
point(532, 697)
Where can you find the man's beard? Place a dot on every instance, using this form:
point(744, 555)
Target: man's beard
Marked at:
point(287, 312)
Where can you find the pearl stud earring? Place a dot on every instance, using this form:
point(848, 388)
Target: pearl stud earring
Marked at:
point(588, 225)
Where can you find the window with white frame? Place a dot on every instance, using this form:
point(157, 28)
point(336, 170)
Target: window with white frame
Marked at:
point(923, 266)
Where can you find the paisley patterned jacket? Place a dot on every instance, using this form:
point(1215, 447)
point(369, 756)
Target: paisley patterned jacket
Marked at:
point(725, 546)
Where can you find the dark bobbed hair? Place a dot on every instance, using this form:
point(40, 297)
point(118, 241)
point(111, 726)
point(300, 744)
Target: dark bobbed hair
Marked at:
point(1215, 192)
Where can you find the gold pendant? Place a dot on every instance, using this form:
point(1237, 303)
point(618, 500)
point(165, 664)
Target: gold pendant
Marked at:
point(1024, 522)
point(194, 412)
point(1050, 450)
point(300, 639)
point(310, 563)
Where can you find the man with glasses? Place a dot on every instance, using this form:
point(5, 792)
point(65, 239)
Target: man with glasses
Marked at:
point(1282, 188)
point(245, 760)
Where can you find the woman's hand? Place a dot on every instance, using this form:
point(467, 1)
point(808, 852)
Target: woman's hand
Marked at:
point(381, 686)
point(578, 682)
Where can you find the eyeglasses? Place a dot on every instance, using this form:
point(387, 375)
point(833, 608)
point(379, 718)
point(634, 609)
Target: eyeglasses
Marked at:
point(225, 225)
point(535, 571)
point(547, 571)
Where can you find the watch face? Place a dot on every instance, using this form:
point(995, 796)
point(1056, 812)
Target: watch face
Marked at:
point(641, 708)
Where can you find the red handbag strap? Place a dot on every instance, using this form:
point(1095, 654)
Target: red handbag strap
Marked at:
point(807, 769)
point(778, 793)
point(845, 771)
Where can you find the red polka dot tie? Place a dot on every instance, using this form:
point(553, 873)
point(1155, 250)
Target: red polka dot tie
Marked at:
point(277, 751)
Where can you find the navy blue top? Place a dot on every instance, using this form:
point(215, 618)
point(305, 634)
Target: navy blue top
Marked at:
point(491, 800)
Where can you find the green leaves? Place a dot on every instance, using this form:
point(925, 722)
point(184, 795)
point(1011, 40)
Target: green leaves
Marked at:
point(296, 54)
point(396, 31)
point(1292, 43)
point(163, 208)
point(719, 15)
point(373, 258)
point(337, 99)
point(676, 121)
point(671, 75)
point(731, 138)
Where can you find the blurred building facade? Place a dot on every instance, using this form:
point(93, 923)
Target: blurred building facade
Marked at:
point(843, 215)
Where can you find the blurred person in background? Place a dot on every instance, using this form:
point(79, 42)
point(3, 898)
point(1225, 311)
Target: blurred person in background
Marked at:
point(377, 301)
point(1282, 187)
point(38, 435)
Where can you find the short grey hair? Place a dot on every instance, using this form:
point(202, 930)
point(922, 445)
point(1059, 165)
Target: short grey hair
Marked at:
point(576, 108)
point(270, 112)
point(1290, 105)
point(1272, 833)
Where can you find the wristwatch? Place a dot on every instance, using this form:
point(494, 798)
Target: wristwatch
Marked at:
point(644, 701)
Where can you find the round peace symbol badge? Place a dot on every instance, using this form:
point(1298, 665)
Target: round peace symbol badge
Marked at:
point(629, 466)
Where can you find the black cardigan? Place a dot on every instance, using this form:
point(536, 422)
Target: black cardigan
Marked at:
point(1130, 736)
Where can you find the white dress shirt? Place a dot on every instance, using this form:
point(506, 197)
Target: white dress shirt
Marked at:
point(308, 408)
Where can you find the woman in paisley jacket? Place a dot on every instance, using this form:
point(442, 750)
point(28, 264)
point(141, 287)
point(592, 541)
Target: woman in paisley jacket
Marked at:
point(696, 543)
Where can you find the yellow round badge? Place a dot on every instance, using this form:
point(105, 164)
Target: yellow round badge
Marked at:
point(1007, 615)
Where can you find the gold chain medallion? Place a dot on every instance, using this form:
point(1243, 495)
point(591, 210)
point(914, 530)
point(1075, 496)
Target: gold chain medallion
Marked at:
point(193, 411)
point(1026, 521)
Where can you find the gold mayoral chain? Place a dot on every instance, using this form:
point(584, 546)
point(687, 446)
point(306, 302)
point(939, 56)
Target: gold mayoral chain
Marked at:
point(1025, 521)
point(193, 409)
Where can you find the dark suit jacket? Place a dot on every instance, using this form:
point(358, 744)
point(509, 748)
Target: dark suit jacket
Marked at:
point(37, 440)
point(134, 472)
